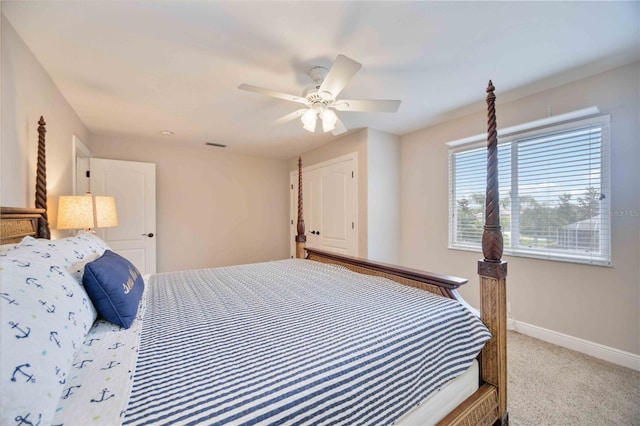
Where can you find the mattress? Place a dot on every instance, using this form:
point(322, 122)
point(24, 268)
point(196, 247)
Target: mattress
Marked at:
point(286, 342)
point(442, 402)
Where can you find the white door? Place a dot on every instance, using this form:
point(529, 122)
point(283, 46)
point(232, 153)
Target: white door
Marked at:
point(336, 212)
point(329, 193)
point(133, 185)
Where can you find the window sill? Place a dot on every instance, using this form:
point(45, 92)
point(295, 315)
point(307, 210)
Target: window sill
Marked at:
point(543, 256)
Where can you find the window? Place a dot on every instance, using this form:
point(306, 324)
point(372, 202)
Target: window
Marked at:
point(554, 193)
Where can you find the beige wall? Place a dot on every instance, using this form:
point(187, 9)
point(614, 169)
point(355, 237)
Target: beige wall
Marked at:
point(598, 304)
point(27, 93)
point(383, 196)
point(213, 208)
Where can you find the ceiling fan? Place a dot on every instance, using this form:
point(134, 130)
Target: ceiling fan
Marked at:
point(320, 99)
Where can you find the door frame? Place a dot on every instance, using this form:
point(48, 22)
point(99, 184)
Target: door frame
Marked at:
point(78, 150)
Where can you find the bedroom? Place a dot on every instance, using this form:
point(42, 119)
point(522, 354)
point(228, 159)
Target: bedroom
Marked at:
point(561, 301)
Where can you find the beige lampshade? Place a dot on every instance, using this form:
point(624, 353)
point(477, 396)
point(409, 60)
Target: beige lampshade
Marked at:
point(106, 215)
point(86, 211)
point(75, 212)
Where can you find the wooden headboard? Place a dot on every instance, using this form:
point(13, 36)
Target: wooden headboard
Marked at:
point(18, 222)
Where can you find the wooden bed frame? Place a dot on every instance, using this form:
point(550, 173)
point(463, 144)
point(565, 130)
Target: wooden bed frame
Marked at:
point(488, 405)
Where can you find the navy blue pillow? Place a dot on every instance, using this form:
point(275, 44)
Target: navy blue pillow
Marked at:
point(115, 287)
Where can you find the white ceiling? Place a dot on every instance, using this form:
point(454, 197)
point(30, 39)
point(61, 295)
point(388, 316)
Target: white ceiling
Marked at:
point(131, 69)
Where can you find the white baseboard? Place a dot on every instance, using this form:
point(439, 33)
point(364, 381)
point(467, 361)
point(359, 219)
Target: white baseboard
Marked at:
point(616, 356)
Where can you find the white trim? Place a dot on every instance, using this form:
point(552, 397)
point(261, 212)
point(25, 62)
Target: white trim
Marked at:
point(78, 150)
point(346, 157)
point(615, 356)
point(543, 122)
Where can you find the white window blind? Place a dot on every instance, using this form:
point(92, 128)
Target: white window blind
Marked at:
point(554, 193)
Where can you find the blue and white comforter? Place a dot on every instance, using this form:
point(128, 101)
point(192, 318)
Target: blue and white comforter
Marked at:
point(294, 342)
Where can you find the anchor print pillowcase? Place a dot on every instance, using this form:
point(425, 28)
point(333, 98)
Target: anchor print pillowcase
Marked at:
point(44, 316)
point(6, 248)
point(78, 250)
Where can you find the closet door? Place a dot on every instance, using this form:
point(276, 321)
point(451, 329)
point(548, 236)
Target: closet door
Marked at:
point(330, 205)
point(335, 194)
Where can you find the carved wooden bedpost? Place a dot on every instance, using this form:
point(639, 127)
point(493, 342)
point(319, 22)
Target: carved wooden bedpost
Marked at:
point(301, 239)
point(41, 182)
point(493, 272)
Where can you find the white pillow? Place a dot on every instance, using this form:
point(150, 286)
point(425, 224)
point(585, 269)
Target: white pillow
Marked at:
point(78, 250)
point(5, 248)
point(75, 249)
point(44, 316)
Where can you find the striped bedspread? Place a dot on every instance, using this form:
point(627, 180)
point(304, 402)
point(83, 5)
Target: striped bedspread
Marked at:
point(293, 342)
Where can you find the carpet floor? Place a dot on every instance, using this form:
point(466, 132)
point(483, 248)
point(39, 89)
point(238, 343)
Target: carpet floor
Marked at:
point(551, 385)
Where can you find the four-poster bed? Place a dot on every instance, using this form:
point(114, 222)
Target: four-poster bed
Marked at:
point(486, 405)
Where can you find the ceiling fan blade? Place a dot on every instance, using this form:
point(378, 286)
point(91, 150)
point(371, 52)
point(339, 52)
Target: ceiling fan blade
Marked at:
point(371, 105)
point(289, 117)
point(341, 72)
point(272, 93)
point(339, 127)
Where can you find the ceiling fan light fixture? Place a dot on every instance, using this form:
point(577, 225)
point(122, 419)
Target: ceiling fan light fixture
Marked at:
point(327, 127)
point(329, 120)
point(309, 120)
point(320, 99)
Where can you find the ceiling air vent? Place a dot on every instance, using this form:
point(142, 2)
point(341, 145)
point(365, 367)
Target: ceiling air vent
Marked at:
point(219, 145)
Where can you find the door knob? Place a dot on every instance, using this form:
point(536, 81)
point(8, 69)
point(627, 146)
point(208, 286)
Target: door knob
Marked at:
point(150, 235)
